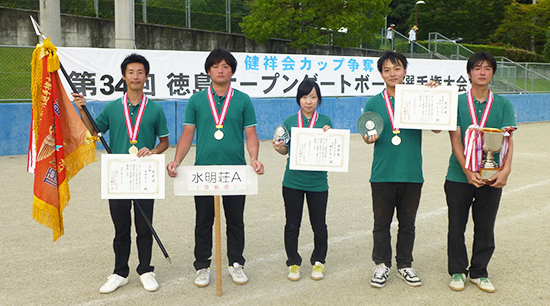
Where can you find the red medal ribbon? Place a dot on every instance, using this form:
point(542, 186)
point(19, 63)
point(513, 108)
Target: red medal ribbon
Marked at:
point(505, 145)
point(472, 139)
point(218, 120)
point(133, 131)
point(311, 123)
point(390, 111)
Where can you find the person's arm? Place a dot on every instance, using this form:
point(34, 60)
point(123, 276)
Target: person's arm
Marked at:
point(458, 149)
point(80, 101)
point(500, 178)
point(280, 147)
point(161, 147)
point(253, 147)
point(184, 144)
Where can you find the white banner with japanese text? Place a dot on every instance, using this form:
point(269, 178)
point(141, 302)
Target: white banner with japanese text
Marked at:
point(96, 73)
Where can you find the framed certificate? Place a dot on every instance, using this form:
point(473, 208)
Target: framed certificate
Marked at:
point(424, 108)
point(215, 180)
point(315, 150)
point(125, 176)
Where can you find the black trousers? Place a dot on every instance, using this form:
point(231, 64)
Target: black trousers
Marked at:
point(484, 202)
point(386, 198)
point(122, 220)
point(294, 207)
point(233, 207)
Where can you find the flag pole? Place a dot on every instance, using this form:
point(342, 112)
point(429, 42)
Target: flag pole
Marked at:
point(96, 129)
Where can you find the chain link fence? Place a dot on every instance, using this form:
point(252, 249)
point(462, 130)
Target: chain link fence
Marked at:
point(15, 73)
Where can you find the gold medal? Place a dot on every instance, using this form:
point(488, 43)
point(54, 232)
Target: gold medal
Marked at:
point(396, 140)
point(218, 135)
point(133, 150)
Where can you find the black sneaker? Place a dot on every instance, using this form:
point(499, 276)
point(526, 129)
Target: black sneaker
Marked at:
point(380, 275)
point(409, 276)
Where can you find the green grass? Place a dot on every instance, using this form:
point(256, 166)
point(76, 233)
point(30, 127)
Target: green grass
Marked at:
point(538, 85)
point(15, 73)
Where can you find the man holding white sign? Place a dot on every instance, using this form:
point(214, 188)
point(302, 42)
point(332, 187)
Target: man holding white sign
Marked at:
point(219, 115)
point(134, 122)
point(396, 177)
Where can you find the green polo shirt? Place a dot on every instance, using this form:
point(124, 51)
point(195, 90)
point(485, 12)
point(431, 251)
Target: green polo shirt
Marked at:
point(501, 116)
point(230, 149)
point(402, 163)
point(302, 179)
point(153, 125)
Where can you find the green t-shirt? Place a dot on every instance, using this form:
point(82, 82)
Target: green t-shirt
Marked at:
point(153, 125)
point(230, 149)
point(501, 116)
point(402, 163)
point(302, 179)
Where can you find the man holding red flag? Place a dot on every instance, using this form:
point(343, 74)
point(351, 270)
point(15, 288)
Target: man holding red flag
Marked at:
point(134, 122)
point(59, 145)
point(478, 108)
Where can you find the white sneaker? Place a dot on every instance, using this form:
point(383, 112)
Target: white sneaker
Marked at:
point(203, 277)
point(318, 271)
point(409, 276)
point(113, 282)
point(457, 281)
point(237, 273)
point(380, 275)
point(294, 273)
point(483, 283)
point(149, 282)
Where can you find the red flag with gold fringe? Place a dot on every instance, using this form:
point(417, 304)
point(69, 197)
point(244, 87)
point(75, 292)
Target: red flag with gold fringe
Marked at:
point(60, 145)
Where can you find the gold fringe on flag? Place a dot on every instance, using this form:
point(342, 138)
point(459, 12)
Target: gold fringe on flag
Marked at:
point(62, 144)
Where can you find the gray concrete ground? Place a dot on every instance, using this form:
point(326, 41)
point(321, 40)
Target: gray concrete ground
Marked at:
point(36, 271)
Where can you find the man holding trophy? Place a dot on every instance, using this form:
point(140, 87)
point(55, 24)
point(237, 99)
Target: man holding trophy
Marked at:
point(478, 169)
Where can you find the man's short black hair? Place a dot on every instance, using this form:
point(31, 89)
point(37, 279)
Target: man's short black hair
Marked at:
point(478, 58)
point(305, 88)
point(134, 58)
point(216, 56)
point(394, 57)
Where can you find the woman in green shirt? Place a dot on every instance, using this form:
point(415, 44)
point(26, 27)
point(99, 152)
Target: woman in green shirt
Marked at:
point(312, 184)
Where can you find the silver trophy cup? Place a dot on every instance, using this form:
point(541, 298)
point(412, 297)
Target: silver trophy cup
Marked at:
point(492, 143)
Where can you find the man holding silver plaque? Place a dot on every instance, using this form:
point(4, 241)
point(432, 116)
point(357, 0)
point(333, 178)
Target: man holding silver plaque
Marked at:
point(396, 177)
point(478, 169)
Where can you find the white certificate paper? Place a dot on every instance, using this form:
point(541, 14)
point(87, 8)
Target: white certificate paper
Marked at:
point(423, 108)
point(125, 176)
point(215, 180)
point(315, 150)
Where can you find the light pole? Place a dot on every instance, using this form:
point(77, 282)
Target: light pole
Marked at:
point(416, 11)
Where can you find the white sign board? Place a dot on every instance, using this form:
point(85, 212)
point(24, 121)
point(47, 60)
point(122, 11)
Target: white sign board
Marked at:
point(315, 150)
point(125, 176)
point(424, 108)
point(215, 180)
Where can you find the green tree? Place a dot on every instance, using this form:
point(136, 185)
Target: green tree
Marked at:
point(310, 22)
point(546, 51)
point(473, 20)
point(525, 25)
point(401, 11)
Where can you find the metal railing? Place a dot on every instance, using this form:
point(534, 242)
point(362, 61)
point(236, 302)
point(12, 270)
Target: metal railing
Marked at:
point(447, 48)
point(512, 77)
